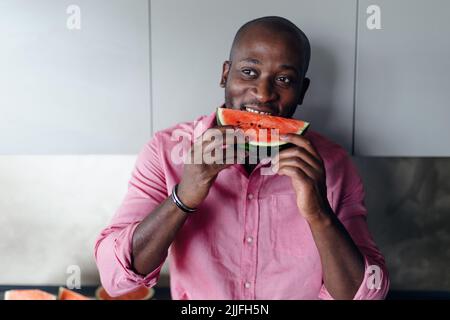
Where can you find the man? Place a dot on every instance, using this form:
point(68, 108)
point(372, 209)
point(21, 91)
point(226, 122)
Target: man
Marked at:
point(300, 233)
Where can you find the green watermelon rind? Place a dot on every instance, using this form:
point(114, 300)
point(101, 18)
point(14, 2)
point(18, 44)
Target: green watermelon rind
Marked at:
point(279, 144)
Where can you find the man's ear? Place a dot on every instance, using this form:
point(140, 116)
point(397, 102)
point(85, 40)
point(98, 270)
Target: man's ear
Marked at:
point(225, 71)
point(305, 86)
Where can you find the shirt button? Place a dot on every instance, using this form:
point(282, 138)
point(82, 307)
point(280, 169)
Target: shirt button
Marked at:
point(250, 196)
point(249, 240)
point(247, 285)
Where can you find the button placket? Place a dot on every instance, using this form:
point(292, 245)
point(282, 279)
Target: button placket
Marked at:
point(250, 248)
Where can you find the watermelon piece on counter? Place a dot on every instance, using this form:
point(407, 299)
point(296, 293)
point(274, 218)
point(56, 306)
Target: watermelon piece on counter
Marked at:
point(66, 294)
point(32, 294)
point(142, 293)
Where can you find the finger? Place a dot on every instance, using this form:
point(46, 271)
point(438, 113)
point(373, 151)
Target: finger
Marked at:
point(210, 146)
point(217, 131)
point(301, 141)
point(228, 135)
point(211, 140)
point(222, 154)
point(223, 127)
point(214, 142)
point(293, 172)
point(202, 148)
point(228, 158)
point(300, 164)
point(219, 144)
point(214, 132)
point(236, 159)
point(196, 152)
point(299, 152)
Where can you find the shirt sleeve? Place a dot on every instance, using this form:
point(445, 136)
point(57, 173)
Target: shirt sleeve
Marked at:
point(351, 211)
point(113, 247)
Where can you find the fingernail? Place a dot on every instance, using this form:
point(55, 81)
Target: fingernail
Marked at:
point(283, 137)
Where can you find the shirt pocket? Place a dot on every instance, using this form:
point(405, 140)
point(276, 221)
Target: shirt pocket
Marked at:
point(290, 234)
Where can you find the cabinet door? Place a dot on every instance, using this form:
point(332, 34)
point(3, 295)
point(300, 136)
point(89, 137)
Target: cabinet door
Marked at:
point(74, 91)
point(192, 38)
point(403, 80)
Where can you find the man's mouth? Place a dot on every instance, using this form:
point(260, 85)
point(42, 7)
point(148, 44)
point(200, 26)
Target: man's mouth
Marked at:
point(255, 110)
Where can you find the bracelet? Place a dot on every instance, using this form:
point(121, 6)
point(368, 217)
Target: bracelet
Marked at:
point(178, 202)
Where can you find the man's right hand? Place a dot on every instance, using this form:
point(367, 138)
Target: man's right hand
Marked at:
point(154, 235)
point(200, 172)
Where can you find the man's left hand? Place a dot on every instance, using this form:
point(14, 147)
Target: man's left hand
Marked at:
point(303, 164)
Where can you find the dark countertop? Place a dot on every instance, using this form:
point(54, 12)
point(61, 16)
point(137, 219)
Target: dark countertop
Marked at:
point(417, 295)
point(161, 293)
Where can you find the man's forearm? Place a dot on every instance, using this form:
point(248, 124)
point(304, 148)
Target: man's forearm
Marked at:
point(154, 235)
point(342, 262)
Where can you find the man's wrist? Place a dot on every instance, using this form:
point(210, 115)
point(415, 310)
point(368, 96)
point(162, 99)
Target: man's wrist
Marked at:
point(321, 220)
point(190, 194)
point(179, 203)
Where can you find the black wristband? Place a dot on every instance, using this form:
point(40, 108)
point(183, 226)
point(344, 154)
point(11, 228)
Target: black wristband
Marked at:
point(178, 202)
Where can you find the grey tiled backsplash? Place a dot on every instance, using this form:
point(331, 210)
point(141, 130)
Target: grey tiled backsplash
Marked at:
point(408, 200)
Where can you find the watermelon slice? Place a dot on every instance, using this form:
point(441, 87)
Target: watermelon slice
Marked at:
point(32, 294)
point(142, 293)
point(66, 294)
point(262, 130)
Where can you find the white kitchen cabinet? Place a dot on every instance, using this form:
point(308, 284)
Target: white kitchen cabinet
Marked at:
point(403, 80)
point(74, 91)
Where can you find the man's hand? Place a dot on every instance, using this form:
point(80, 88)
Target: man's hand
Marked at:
point(205, 164)
point(304, 166)
point(154, 235)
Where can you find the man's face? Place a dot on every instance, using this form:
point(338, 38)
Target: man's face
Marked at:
point(265, 74)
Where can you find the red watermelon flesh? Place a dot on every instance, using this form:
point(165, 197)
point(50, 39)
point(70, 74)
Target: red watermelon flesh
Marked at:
point(31, 294)
point(262, 130)
point(66, 294)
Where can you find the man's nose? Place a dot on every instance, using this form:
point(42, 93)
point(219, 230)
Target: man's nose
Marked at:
point(264, 91)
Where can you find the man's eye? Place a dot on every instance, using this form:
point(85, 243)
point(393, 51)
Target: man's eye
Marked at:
point(285, 80)
point(249, 72)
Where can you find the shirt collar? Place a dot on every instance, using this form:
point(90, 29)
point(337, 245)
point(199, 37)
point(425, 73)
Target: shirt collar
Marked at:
point(204, 124)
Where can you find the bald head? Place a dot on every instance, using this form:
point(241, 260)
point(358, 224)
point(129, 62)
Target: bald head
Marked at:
point(276, 27)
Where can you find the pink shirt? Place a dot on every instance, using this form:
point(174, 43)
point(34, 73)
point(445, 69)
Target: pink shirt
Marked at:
point(247, 240)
